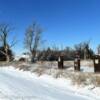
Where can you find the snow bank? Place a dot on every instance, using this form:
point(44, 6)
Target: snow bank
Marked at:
point(15, 84)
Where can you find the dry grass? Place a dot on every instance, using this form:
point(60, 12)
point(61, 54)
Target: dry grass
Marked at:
point(81, 79)
point(50, 68)
point(39, 70)
point(97, 80)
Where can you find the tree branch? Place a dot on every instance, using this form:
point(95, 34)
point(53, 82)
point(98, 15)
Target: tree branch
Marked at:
point(3, 52)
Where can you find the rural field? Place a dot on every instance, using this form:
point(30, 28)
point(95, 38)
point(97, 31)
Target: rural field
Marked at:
point(44, 81)
point(49, 49)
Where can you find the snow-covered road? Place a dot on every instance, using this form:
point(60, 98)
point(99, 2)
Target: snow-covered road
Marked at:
point(15, 85)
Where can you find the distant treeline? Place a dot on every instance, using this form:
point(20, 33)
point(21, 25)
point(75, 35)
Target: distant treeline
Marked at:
point(52, 54)
point(83, 49)
point(32, 40)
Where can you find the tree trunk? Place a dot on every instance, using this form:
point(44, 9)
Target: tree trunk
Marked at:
point(7, 58)
point(85, 54)
point(7, 55)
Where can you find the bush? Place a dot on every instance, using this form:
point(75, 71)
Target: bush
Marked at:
point(3, 57)
point(22, 59)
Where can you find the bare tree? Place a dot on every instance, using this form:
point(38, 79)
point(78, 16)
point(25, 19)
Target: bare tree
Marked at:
point(33, 38)
point(78, 47)
point(84, 49)
point(98, 49)
point(4, 36)
point(87, 50)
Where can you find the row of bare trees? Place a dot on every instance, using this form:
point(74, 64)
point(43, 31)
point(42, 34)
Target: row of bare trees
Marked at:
point(68, 53)
point(84, 49)
point(32, 41)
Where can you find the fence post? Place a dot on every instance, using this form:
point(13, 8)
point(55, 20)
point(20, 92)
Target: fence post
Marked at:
point(96, 60)
point(60, 62)
point(77, 62)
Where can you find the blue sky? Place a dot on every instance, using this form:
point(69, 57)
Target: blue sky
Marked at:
point(65, 22)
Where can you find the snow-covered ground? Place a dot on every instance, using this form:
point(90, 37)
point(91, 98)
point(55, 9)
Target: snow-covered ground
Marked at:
point(83, 69)
point(19, 85)
point(87, 69)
